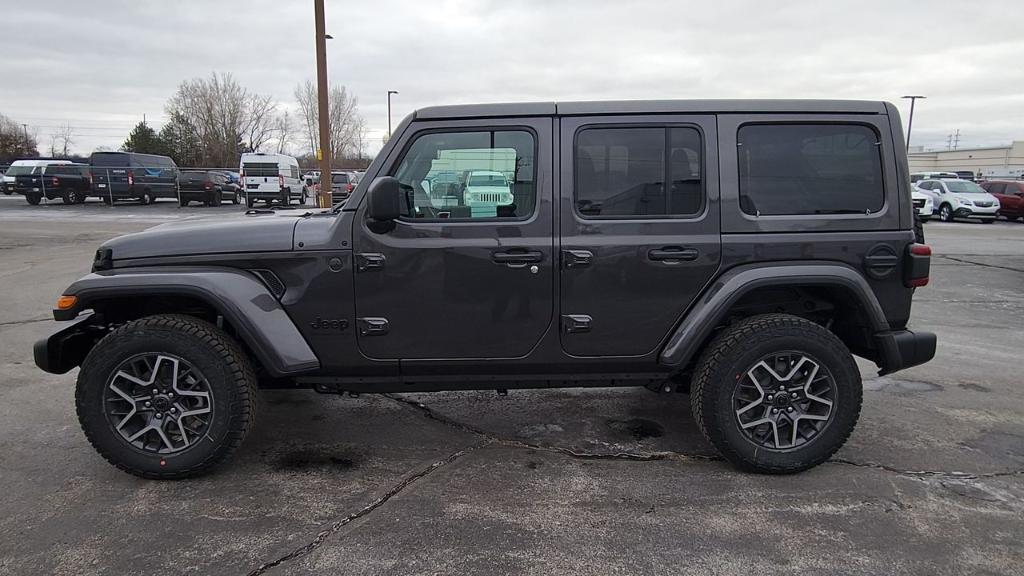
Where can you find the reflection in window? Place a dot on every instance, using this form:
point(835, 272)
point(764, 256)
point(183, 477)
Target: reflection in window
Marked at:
point(488, 174)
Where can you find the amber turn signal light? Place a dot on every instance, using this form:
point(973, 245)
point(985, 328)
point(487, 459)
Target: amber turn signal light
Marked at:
point(66, 302)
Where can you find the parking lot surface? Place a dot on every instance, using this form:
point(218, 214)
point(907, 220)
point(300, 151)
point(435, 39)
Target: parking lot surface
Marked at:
point(574, 481)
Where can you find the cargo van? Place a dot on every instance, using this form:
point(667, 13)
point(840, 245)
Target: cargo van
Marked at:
point(128, 175)
point(271, 178)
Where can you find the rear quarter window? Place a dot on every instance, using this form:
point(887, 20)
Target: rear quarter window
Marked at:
point(809, 169)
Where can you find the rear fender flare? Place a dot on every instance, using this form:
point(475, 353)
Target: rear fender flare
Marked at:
point(712, 307)
point(239, 296)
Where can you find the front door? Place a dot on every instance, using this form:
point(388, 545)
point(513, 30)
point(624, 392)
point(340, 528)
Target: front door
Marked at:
point(639, 227)
point(468, 270)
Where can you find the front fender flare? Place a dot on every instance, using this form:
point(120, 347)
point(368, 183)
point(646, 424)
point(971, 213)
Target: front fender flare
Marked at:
point(713, 306)
point(239, 296)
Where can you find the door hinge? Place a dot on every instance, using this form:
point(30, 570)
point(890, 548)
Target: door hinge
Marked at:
point(576, 323)
point(577, 258)
point(372, 326)
point(369, 261)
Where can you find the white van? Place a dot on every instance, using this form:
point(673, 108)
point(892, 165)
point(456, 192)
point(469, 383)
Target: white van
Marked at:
point(24, 168)
point(272, 178)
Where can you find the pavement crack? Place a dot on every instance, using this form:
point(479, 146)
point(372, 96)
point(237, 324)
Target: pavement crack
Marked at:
point(28, 321)
point(324, 534)
point(629, 456)
point(678, 456)
point(964, 261)
point(945, 475)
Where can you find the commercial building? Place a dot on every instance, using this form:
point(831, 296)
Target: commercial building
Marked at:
point(994, 162)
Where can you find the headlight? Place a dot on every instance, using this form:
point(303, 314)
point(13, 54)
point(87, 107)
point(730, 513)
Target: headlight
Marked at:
point(964, 201)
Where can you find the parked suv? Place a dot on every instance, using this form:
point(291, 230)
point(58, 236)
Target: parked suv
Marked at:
point(1010, 194)
point(740, 251)
point(206, 187)
point(961, 199)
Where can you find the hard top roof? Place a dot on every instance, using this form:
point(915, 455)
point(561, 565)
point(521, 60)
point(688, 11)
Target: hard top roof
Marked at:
point(651, 107)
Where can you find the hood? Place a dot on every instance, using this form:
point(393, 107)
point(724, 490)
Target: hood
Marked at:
point(254, 232)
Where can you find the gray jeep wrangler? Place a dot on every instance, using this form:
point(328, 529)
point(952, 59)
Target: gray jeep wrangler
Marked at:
point(740, 251)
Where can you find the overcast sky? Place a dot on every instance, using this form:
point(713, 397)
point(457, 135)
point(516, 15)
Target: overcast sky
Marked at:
point(101, 65)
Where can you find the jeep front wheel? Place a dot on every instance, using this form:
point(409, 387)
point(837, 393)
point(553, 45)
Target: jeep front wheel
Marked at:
point(166, 396)
point(776, 394)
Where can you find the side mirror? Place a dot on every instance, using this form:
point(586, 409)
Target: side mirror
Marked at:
point(384, 202)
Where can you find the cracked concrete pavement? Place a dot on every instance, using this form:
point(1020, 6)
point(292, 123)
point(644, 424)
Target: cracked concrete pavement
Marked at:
point(571, 481)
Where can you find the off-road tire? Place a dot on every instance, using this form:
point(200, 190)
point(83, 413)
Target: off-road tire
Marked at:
point(146, 198)
point(232, 384)
point(34, 199)
point(734, 351)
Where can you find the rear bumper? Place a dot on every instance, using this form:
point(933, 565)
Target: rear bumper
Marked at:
point(904, 348)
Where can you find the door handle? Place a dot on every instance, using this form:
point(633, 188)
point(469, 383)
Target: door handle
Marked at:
point(577, 258)
point(673, 254)
point(517, 258)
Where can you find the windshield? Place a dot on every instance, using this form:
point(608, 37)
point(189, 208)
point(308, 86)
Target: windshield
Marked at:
point(339, 178)
point(22, 170)
point(488, 180)
point(963, 186)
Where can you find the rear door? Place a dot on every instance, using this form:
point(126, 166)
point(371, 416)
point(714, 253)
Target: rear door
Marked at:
point(639, 228)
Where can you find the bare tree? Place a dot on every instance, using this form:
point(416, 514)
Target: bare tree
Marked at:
point(285, 130)
point(260, 122)
point(343, 115)
point(61, 141)
point(224, 118)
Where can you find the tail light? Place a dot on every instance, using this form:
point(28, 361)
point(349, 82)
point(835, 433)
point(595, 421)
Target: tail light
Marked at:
point(349, 187)
point(131, 179)
point(208, 185)
point(88, 178)
point(919, 258)
point(280, 180)
point(56, 181)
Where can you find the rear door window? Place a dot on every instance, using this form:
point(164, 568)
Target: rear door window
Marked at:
point(809, 169)
point(996, 188)
point(638, 172)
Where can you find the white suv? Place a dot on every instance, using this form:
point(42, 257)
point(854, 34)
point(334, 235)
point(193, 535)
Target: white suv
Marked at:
point(923, 204)
point(961, 199)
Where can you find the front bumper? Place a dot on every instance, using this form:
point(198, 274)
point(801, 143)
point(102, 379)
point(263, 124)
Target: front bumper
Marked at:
point(66, 348)
point(904, 348)
point(976, 212)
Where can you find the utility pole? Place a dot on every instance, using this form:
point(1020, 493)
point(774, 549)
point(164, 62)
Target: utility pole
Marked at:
point(390, 92)
point(956, 139)
point(910, 122)
point(323, 199)
point(949, 142)
point(25, 128)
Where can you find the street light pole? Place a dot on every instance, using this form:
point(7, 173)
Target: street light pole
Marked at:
point(323, 199)
point(910, 122)
point(390, 92)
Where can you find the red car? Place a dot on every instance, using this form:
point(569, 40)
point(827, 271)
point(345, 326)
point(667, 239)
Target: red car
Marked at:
point(1011, 197)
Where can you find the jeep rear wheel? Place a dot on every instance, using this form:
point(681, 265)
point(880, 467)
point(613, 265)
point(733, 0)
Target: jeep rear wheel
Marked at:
point(776, 394)
point(33, 199)
point(166, 397)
